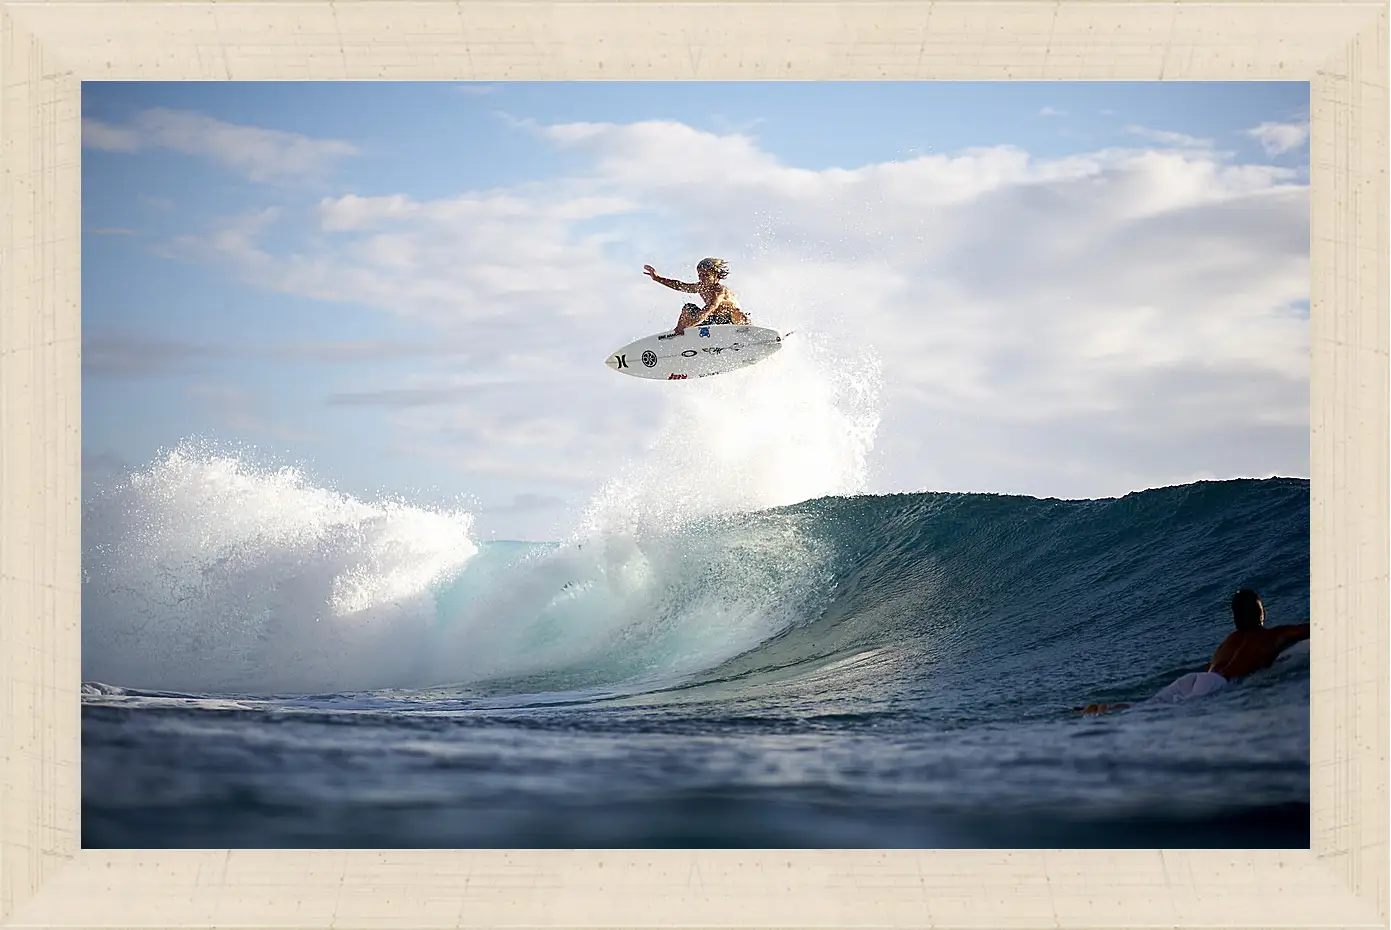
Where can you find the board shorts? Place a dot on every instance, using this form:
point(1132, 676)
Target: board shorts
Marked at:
point(1194, 684)
point(716, 317)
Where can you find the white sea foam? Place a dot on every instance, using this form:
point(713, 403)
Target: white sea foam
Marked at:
point(205, 572)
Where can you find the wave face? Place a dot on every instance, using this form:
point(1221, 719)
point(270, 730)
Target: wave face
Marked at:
point(1003, 607)
point(981, 607)
point(206, 575)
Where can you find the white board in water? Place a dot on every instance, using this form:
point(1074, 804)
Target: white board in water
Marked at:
point(699, 352)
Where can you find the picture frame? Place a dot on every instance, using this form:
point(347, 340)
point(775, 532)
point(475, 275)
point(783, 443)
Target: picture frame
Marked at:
point(48, 48)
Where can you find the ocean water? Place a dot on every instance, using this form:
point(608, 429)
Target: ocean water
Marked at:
point(780, 660)
point(864, 671)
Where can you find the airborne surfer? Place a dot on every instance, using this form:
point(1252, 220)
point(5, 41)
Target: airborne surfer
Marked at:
point(721, 304)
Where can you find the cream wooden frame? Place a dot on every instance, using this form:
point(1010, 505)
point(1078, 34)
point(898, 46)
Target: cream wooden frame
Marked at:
point(47, 48)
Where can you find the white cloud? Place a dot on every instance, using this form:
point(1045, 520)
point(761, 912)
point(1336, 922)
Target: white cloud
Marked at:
point(1279, 138)
point(1050, 111)
point(98, 135)
point(1073, 326)
point(1164, 137)
point(260, 154)
point(234, 408)
point(526, 431)
point(361, 351)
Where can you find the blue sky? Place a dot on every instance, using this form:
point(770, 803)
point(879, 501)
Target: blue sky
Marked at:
point(1060, 289)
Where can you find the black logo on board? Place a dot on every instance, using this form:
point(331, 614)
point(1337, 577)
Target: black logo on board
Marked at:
point(649, 358)
point(622, 361)
point(688, 353)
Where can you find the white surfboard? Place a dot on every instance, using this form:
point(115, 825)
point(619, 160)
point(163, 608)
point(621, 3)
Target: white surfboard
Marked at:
point(699, 352)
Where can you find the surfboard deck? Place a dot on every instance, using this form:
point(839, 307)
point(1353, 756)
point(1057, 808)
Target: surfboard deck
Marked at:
point(699, 352)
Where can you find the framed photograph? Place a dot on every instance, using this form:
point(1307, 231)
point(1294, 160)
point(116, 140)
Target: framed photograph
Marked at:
point(748, 464)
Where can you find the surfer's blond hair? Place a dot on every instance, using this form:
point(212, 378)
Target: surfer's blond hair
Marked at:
point(718, 266)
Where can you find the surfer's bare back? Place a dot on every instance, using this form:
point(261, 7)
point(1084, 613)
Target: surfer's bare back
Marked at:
point(721, 304)
point(1253, 645)
point(1249, 648)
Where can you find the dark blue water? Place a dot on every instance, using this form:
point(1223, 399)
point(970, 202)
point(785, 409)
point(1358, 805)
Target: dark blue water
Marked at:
point(875, 671)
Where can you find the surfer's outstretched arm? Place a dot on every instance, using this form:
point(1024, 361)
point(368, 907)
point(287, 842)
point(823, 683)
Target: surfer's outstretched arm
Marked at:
point(672, 283)
point(1292, 633)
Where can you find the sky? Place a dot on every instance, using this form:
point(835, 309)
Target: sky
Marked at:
point(409, 290)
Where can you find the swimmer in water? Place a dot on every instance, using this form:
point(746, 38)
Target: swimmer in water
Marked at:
point(1251, 647)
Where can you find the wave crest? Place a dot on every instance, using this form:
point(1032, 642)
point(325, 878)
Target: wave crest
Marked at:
point(203, 571)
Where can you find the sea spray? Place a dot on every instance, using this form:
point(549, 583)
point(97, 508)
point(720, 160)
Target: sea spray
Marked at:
point(203, 571)
point(671, 569)
point(798, 426)
point(618, 612)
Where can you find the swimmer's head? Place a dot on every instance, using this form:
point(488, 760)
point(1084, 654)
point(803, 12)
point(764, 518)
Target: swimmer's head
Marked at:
point(1247, 610)
point(712, 269)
